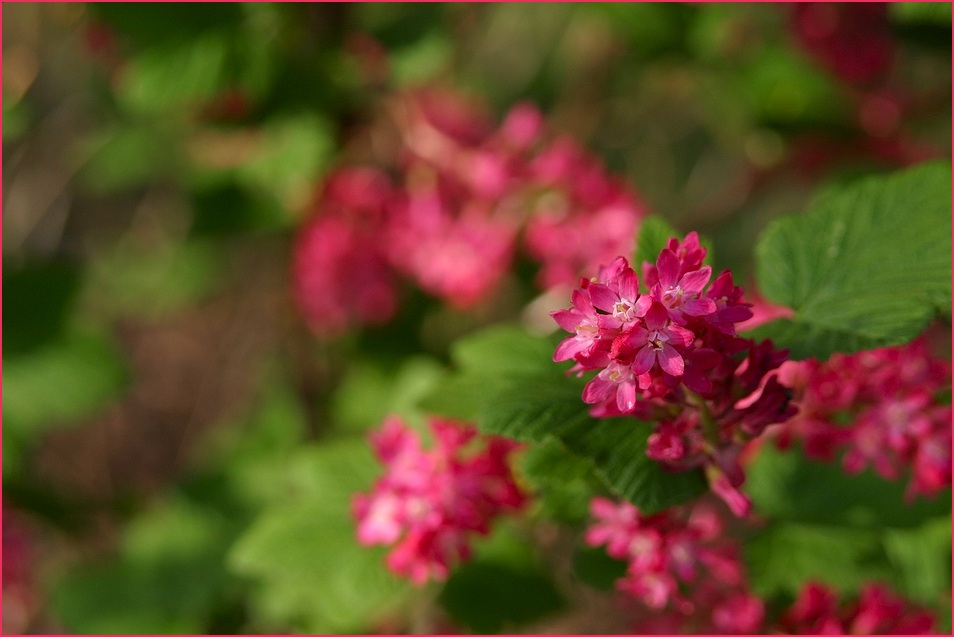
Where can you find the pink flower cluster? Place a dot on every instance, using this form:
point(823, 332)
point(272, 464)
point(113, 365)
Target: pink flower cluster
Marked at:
point(449, 206)
point(877, 611)
point(678, 566)
point(430, 504)
point(880, 407)
point(670, 354)
point(688, 575)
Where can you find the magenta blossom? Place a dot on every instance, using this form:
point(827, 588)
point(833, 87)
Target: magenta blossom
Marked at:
point(671, 356)
point(430, 504)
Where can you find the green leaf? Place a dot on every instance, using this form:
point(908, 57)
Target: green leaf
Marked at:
point(123, 157)
point(595, 567)
point(788, 486)
point(932, 13)
point(66, 380)
point(168, 577)
point(487, 597)
point(309, 570)
point(295, 150)
point(253, 455)
point(395, 392)
point(37, 300)
point(785, 556)
point(126, 280)
point(868, 266)
point(510, 387)
point(505, 586)
point(562, 483)
point(175, 76)
point(922, 559)
point(654, 234)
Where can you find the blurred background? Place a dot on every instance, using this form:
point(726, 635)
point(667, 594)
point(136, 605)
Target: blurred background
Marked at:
point(159, 380)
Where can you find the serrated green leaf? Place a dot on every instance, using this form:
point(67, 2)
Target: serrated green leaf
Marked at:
point(562, 483)
point(509, 385)
point(869, 265)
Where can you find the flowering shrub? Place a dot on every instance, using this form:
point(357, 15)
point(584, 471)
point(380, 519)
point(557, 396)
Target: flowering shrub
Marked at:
point(430, 318)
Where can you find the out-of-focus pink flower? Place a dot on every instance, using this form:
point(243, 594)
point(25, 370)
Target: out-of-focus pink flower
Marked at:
point(677, 563)
point(579, 216)
point(21, 595)
point(340, 273)
point(878, 407)
point(430, 503)
point(452, 247)
point(877, 611)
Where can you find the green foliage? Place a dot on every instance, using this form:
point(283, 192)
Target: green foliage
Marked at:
point(37, 299)
point(932, 13)
point(787, 486)
point(786, 555)
point(127, 280)
point(167, 578)
point(302, 556)
point(505, 586)
point(868, 266)
point(395, 391)
point(66, 380)
point(508, 384)
point(843, 530)
point(654, 234)
point(593, 566)
point(562, 483)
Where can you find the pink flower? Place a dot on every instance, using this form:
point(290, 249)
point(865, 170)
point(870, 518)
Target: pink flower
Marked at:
point(657, 343)
point(675, 560)
point(877, 611)
point(880, 408)
point(582, 320)
point(678, 292)
point(340, 274)
point(675, 351)
point(429, 504)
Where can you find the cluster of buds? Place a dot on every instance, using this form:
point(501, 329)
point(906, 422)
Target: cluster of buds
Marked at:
point(678, 565)
point(670, 354)
point(877, 611)
point(430, 504)
point(880, 407)
point(449, 207)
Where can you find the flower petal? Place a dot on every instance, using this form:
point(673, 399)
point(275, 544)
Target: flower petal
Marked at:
point(670, 361)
